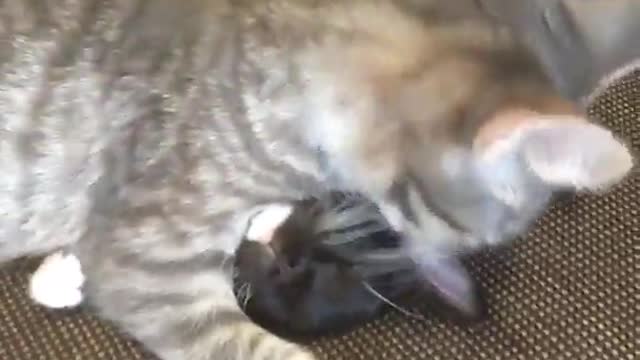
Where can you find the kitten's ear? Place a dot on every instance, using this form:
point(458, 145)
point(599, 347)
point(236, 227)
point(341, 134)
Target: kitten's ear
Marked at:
point(451, 281)
point(562, 150)
point(583, 156)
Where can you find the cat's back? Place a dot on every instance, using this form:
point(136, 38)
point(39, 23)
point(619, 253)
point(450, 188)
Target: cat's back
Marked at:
point(150, 89)
point(82, 82)
point(157, 88)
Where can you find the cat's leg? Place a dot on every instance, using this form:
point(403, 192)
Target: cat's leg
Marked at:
point(206, 324)
point(175, 294)
point(57, 283)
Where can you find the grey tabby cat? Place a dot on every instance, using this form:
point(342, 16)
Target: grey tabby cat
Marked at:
point(143, 134)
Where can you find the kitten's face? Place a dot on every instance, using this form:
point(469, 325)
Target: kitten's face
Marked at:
point(298, 285)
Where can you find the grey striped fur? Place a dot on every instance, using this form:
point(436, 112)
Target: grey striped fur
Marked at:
point(142, 134)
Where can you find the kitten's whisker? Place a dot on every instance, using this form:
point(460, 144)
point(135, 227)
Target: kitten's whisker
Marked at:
point(244, 295)
point(391, 303)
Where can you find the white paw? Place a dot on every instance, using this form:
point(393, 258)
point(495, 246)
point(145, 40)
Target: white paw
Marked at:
point(57, 283)
point(303, 355)
point(264, 224)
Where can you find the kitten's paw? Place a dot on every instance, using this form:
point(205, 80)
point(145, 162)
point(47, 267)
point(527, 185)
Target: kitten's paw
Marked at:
point(264, 224)
point(303, 355)
point(57, 283)
point(297, 353)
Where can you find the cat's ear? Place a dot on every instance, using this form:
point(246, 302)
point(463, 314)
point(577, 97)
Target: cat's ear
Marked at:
point(452, 283)
point(562, 150)
point(583, 156)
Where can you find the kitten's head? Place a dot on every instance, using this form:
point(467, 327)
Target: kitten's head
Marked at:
point(459, 135)
point(321, 270)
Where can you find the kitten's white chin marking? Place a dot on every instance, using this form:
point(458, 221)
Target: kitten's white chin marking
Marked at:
point(264, 224)
point(57, 283)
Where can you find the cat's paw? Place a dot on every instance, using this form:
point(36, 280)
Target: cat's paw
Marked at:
point(264, 224)
point(294, 352)
point(57, 283)
point(303, 355)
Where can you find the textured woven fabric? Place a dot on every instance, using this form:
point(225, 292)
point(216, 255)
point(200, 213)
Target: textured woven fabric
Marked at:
point(569, 290)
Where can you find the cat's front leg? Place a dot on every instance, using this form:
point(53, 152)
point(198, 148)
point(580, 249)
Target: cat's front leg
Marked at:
point(57, 282)
point(174, 293)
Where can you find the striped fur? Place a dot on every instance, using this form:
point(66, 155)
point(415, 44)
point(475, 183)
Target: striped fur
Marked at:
point(144, 133)
point(330, 265)
point(122, 121)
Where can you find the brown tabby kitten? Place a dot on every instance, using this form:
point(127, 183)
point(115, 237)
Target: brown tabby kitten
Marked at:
point(315, 268)
point(145, 133)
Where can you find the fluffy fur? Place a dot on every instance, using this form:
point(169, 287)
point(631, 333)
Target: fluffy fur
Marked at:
point(143, 134)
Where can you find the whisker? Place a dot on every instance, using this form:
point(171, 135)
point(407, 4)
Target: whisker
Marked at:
point(244, 295)
point(391, 303)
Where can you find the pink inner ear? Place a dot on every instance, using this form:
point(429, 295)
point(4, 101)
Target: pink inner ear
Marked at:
point(502, 126)
point(504, 131)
